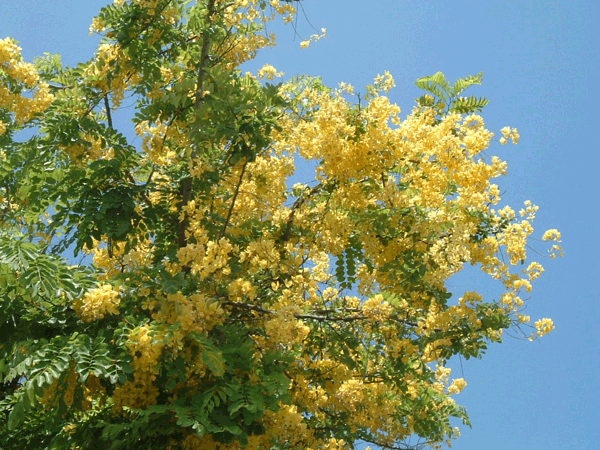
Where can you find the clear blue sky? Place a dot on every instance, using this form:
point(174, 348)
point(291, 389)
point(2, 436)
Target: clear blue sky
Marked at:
point(540, 64)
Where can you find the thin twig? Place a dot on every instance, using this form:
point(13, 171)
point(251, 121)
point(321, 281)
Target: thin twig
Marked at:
point(235, 195)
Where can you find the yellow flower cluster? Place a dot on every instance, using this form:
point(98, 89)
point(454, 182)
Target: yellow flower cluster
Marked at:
point(238, 14)
point(376, 309)
point(457, 386)
point(13, 66)
point(544, 326)
point(553, 235)
point(142, 392)
point(269, 72)
point(261, 254)
point(93, 392)
point(529, 210)
point(206, 257)
point(67, 388)
point(509, 133)
point(16, 76)
point(80, 154)
point(97, 303)
point(193, 313)
point(514, 238)
point(103, 75)
point(241, 289)
point(154, 142)
point(283, 330)
point(116, 260)
point(383, 83)
point(313, 38)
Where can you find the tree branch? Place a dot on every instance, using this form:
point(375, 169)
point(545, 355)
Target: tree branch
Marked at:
point(107, 108)
point(295, 207)
point(235, 195)
point(186, 189)
point(319, 315)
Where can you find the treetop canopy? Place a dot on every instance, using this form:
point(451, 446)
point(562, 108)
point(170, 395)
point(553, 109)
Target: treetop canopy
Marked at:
point(226, 308)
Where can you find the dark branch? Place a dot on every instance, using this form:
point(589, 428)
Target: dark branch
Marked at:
point(235, 195)
point(108, 115)
point(186, 189)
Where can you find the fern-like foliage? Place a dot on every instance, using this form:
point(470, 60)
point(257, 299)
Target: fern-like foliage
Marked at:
point(447, 99)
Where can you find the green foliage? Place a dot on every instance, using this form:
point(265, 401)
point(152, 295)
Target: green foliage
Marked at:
point(49, 65)
point(445, 98)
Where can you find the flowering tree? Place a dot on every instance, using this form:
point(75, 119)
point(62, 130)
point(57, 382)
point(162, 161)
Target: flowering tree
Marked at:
point(225, 308)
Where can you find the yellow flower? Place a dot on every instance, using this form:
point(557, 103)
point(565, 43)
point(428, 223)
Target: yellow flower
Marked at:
point(269, 72)
point(552, 235)
point(509, 133)
point(457, 386)
point(544, 326)
point(98, 302)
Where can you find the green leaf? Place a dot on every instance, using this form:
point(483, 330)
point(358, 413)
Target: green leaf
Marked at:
point(211, 356)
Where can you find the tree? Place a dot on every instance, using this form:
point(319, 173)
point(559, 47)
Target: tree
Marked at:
point(225, 308)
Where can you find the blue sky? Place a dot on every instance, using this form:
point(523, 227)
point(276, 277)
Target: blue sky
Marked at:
point(540, 64)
